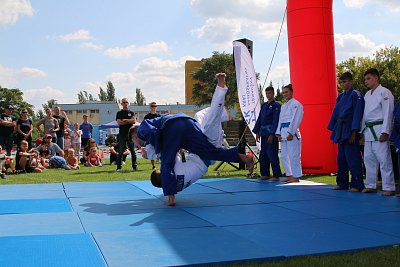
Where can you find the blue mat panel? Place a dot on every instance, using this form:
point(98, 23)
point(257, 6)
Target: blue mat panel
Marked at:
point(334, 207)
point(55, 186)
point(40, 224)
point(96, 185)
point(196, 188)
point(116, 205)
point(386, 222)
point(117, 220)
point(210, 200)
point(30, 194)
point(247, 214)
point(241, 185)
point(104, 192)
point(281, 195)
point(172, 247)
point(50, 250)
point(312, 237)
point(34, 206)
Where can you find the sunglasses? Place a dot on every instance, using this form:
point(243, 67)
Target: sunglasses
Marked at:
point(93, 142)
point(125, 102)
point(48, 137)
point(24, 112)
point(153, 106)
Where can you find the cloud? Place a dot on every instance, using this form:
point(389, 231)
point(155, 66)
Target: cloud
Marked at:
point(391, 6)
point(126, 52)
point(81, 34)
point(10, 77)
point(91, 45)
point(354, 45)
point(226, 20)
point(39, 96)
point(10, 10)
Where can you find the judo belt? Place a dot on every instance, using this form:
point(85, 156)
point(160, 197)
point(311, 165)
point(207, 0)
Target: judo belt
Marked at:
point(370, 125)
point(267, 128)
point(286, 125)
point(340, 122)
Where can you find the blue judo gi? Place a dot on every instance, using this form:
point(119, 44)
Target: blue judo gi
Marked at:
point(265, 126)
point(395, 135)
point(346, 117)
point(169, 133)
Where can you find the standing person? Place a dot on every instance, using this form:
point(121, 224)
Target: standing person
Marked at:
point(76, 140)
point(7, 126)
point(151, 115)
point(345, 124)
point(50, 125)
point(289, 135)
point(24, 129)
point(62, 120)
point(376, 127)
point(265, 128)
point(395, 135)
point(87, 129)
point(125, 119)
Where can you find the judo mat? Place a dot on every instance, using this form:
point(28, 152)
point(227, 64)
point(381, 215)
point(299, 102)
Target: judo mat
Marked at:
point(227, 220)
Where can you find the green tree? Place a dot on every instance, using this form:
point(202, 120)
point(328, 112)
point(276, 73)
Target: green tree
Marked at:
point(386, 60)
point(84, 97)
point(108, 94)
point(140, 99)
point(205, 76)
point(14, 97)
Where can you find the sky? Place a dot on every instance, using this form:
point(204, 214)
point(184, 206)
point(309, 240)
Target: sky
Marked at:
point(55, 49)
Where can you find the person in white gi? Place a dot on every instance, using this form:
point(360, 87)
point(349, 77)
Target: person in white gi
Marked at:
point(189, 167)
point(376, 127)
point(288, 134)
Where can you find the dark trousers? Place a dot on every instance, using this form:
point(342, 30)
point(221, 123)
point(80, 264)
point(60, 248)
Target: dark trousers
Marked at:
point(122, 144)
point(185, 133)
point(349, 158)
point(269, 157)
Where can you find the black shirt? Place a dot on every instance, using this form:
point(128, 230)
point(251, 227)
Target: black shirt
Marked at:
point(61, 121)
point(125, 114)
point(7, 131)
point(150, 116)
point(24, 125)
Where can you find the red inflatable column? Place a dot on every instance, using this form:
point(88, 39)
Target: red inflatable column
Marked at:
point(313, 76)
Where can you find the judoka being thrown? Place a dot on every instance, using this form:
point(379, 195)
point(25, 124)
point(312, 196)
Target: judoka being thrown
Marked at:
point(169, 133)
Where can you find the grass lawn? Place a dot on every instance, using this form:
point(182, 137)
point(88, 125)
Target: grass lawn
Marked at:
point(374, 257)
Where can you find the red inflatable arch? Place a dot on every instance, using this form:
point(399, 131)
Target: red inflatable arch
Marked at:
point(313, 75)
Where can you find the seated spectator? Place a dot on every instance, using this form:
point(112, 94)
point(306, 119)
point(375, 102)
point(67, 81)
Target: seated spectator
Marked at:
point(52, 147)
point(93, 159)
point(44, 155)
point(24, 158)
point(6, 162)
point(58, 162)
point(86, 151)
point(72, 161)
point(114, 154)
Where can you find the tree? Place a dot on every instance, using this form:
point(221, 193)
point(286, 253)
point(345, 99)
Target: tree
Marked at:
point(140, 99)
point(108, 94)
point(15, 98)
point(50, 104)
point(386, 60)
point(205, 75)
point(84, 97)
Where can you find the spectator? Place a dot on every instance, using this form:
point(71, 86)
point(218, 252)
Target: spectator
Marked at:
point(6, 162)
point(93, 158)
point(72, 161)
point(44, 155)
point(125, 119)
point(151, 115)
point(62, 120)
point(52, 147)
point(86, 150)
point(87, 129)
point(7, 126)
point(24, 129)
point(24, 158)
point(67, 139)
point(114, 153)
point(76, 140)
point(50, 125)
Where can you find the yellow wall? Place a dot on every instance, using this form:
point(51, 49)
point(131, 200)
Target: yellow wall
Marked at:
point(190, 66)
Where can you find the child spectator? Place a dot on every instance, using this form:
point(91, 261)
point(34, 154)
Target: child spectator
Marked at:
point(24, 158)
point(72, 161)
point(44, 154)
point(114, 153)
point(6, 162)
point(76, 140)
point(86, 150)
point(58, 162)
point(93, 158)
point(67, 139)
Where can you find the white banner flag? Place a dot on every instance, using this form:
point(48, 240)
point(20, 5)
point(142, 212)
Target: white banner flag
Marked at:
point(246, 81)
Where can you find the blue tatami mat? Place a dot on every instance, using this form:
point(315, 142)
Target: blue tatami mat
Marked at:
point(14, 187)
point(247, 214)
point(312, 237)
point(172, 247)
point(104, 192)
point(40, 224)
point(34, 206)
point(196, 188)
point(241, 185)
point(281, 195)
point(30, 194)
point(74, 250)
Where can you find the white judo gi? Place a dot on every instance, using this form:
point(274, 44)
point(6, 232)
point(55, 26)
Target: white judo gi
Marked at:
point(377, 119)
point(209, 119)
point(289, 121)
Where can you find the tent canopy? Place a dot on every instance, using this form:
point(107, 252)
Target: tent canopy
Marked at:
point(111, 124)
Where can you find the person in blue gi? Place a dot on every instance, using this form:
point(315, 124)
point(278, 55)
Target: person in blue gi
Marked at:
point(395, 135)
point(265, 129)
point(170, 133)
point(345, 124)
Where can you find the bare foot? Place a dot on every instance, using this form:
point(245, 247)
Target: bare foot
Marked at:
point(354, 190)
point(388, 193)
point(171, 200)
point(293, 180)
point(287, 178)
point(264, 178)
point(274, 179)
point(369, 190)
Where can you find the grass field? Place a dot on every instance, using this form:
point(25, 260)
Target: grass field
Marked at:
point(374, 257)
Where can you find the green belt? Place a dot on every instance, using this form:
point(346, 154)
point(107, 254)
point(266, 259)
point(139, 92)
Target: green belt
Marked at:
point(370, 125)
